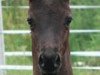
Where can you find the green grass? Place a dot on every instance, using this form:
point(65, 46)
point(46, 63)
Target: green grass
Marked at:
point(86, 72)
point(15, 19)
point(19, 72)
point(89, 42)
point(23, 60)
point(18, 42)
point(85, 2)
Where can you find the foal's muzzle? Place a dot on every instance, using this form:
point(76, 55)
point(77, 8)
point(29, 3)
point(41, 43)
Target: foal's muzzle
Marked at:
point(49, 63)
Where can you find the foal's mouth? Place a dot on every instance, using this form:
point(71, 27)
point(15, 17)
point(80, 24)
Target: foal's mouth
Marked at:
point(49, 73)
point(49, 68)
point(49, 64)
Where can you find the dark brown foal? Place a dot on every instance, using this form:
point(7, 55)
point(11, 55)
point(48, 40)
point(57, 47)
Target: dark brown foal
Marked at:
point(49, 23)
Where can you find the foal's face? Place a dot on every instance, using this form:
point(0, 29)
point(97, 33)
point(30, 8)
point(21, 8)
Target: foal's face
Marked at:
point(49, 21)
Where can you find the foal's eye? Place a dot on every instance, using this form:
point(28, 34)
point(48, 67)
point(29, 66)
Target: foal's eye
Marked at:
point(67, 21)
point(31, 22)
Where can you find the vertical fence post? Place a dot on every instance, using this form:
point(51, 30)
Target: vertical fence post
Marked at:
point(2, 57)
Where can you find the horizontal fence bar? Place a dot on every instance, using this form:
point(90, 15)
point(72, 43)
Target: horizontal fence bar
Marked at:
point(86, 53)
point(22, 67)
point(76, 53)
point(15, 32)
point(28, 31)
point(85, 31)
point(18, 53)
point(87, 68)
point(71, 6)
point(84, 7)
point(20, 7)
point(15, 67)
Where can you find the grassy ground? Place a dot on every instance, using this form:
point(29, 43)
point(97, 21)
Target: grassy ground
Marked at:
point(15, 19)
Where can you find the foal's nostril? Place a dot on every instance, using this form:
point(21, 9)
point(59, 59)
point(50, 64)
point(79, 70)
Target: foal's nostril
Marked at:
point(57, 61)
point(49, 64)
point(41, 61)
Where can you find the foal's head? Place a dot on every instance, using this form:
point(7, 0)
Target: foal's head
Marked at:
point(49, 22)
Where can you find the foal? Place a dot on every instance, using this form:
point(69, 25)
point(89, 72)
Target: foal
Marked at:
point(49, 23)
